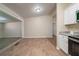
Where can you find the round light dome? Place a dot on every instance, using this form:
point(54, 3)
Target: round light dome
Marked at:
point(37, 9)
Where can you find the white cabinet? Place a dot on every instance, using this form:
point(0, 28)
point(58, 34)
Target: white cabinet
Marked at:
point(70, 14)
point(63, 43)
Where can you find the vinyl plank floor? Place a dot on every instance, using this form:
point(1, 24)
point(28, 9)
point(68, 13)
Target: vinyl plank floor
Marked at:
point(34, 47)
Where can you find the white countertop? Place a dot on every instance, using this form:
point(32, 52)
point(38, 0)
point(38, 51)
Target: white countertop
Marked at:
point(66, 34)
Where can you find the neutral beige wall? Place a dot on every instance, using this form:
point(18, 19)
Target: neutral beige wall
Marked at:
point(13, 29)
point(38, 27)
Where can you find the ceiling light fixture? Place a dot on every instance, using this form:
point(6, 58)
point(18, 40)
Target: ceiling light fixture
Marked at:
point(37, 9)
point(2, 18)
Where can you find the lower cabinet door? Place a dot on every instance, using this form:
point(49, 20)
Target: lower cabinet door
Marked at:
point(64, 43)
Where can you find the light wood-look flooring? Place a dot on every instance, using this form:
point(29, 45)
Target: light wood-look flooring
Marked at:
point(34, 47)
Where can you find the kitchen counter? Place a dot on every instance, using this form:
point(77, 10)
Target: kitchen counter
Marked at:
point(66, 34)
point(70, 35)
point(64, 39)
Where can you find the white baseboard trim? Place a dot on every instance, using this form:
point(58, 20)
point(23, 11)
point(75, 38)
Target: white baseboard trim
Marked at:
point(40, 37)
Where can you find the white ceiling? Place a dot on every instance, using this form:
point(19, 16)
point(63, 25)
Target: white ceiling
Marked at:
point(26, 9)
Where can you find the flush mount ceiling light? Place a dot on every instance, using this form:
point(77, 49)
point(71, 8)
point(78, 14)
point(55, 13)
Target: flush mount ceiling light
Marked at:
point(37, 9)
point(2, 18)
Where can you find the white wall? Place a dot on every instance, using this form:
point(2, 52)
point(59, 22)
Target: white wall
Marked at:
point(13, 29)
point(1, 30)
point(38, 27)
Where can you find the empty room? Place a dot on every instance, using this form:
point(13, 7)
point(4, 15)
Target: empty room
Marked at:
point(37, 34)
point(39, 29)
